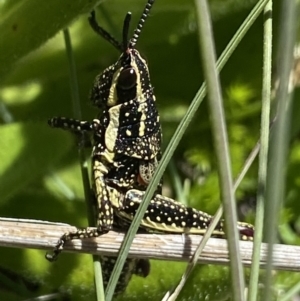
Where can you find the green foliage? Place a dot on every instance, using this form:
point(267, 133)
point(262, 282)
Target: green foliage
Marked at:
point(39, 172)
point(20, 19)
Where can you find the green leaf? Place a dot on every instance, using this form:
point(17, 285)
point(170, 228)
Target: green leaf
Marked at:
point(26, 25)
point(27, 151)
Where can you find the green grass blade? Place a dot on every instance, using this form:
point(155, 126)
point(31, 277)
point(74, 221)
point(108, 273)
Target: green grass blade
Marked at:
point(279, 143)
point(263, 155)
point(246, 25)
point(221, 145)
point(173, 293)
point(82, 159)
point(293, 292)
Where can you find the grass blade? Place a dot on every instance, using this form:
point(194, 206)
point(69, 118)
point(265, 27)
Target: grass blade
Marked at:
point(82, 160)
point(279, 144)
point(196, 102)
point(221, 146)
point(263, 155)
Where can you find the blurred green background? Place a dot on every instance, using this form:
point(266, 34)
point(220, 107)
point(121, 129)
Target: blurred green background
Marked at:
point(39, 171)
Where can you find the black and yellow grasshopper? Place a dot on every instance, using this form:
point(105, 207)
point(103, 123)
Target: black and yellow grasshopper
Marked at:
point(126, 151)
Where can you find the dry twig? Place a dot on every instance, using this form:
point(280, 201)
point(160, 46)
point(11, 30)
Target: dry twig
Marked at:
point(20, 233)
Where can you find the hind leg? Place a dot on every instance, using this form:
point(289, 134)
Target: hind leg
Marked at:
point(104, 215)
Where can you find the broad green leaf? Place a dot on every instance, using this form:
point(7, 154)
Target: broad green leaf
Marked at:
point(27, 152)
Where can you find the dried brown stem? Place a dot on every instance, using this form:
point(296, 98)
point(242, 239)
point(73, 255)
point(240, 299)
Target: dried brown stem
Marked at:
point(34, 234)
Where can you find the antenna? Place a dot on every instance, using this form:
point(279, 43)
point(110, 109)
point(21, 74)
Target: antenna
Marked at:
point(125, 42)
point(103, 33)
point(126, 30)
point(139, 27)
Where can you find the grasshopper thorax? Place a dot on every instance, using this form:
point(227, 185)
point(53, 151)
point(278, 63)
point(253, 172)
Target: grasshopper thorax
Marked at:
point(130, 127)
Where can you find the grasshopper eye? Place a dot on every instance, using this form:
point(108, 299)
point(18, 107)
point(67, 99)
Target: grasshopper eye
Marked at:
point(127, 79)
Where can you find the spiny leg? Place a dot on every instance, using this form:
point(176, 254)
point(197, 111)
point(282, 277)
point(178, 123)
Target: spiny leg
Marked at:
point(168, 216)
point(77, 127)
point(70, 124)
point(104, 213)
point(78, 234)
point(100, 191)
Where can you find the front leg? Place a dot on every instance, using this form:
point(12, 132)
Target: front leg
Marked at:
point(72, 125)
